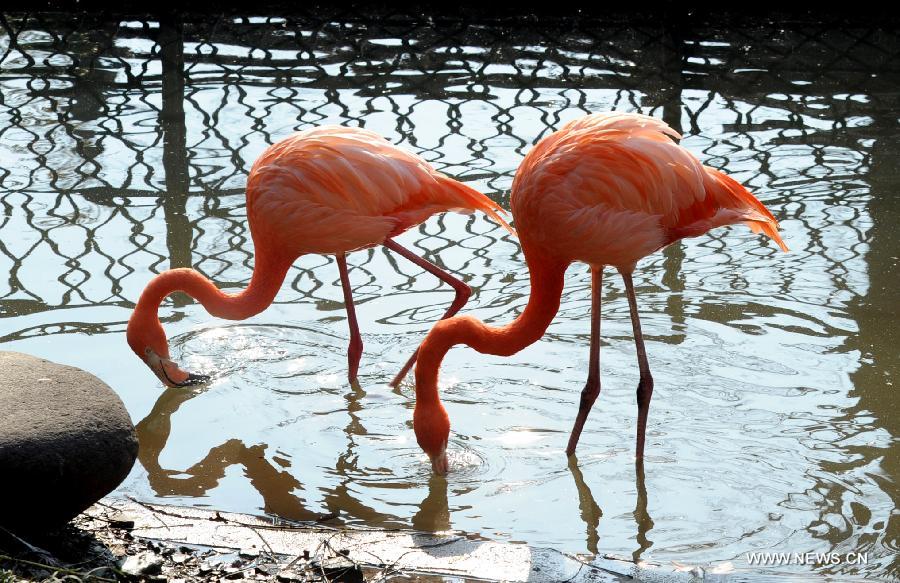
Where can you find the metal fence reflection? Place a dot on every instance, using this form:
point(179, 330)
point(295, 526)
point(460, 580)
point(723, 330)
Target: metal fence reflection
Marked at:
point(125, 144)
point(116, 124)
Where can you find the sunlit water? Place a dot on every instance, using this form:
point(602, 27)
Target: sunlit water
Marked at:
point(771, 424)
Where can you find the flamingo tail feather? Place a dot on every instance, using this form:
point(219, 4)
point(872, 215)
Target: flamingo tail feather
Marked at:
point(475, 200)
point(757, 216)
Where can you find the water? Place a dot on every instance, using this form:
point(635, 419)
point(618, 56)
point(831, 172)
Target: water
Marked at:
point(772, 425)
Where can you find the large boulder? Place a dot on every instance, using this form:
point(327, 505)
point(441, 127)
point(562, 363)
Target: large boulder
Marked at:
point(66, 441)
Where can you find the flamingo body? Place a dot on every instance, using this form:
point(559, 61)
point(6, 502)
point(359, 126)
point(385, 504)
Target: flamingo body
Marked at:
point(610, 189)
point(328, 190)
point(606, 189)
point(337, 189)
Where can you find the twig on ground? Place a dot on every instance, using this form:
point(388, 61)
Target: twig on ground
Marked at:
point(264, 541)
point(153, 511)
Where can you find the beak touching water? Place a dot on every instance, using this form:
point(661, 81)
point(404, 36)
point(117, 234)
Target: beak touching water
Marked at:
point(439, 462)
point(170, 373)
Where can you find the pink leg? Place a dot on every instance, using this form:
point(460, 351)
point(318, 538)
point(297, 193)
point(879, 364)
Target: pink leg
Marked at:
point(645, 385)
point(592, 386)
point(462, 294)
point(354, 350)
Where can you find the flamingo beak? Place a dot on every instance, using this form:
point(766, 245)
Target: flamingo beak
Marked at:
point(439, 462)
point(170, 373)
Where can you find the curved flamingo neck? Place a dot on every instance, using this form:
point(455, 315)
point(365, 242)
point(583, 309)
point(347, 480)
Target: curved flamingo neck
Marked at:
point(547, 277)
point(269, 271)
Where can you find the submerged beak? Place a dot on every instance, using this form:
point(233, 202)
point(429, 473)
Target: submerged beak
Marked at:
point(170, 374)
point(439, 463)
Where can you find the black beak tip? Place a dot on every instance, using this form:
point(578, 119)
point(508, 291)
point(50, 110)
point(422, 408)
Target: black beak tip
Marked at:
point(194, 379)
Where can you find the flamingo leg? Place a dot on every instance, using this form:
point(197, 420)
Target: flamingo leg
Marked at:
point(463, 292)
point(355, 348)
point(645, 385)
point(592, 386)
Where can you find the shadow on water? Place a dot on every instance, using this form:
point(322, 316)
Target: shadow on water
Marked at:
point(776, 374)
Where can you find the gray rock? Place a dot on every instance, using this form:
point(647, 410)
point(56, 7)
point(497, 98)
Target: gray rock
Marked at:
point(66, 441)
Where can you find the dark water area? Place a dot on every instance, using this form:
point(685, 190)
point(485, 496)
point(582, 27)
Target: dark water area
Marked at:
point(125, 144)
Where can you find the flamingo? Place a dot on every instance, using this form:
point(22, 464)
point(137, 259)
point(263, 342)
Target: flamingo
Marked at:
point(606, 189)
point(328, 190)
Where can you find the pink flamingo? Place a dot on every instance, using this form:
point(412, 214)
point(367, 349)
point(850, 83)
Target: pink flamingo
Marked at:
point(606, 189)
point(328, 190)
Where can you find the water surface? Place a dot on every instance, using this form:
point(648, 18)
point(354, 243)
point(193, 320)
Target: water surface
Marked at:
point(125, 147)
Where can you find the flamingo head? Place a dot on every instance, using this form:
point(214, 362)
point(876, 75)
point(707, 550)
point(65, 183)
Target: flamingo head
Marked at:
point(432, 427)
point(148, 341)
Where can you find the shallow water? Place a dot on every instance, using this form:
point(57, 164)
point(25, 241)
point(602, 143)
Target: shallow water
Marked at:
point(771, 426)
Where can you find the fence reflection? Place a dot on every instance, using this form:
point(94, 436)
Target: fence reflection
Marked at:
point(126, 144)
point(133, 120)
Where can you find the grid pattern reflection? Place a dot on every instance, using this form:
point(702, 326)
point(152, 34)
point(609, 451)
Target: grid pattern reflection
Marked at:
point(125, 144)
point(116, 125)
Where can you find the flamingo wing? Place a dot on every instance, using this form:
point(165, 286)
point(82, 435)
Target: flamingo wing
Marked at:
point(336, 189)
point(612, 188)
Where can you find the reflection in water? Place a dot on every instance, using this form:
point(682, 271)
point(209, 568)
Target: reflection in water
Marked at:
point(876, 344)
point(174, 130)
point(434, 511)
point(641, 514)
point(126, 146)
point(590, 512)
point(342, 497)
point(275, 486)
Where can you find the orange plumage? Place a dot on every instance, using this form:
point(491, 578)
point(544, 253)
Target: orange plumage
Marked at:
point(606, 189)
point(337, 189)
point(609, 189)
point(327, 190)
